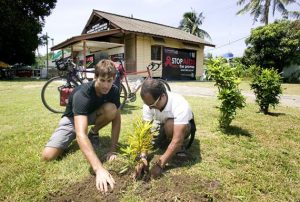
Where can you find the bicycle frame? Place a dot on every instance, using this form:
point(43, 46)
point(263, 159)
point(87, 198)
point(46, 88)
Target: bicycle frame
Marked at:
point(149, 75)
point(131, 93)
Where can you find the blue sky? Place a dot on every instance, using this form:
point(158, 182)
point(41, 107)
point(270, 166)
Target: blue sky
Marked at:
point(227, 30)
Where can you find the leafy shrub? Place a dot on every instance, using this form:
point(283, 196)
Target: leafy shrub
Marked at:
point(227, 81)
point(266, 84)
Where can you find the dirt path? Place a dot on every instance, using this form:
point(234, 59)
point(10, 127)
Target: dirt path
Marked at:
point(285, 100)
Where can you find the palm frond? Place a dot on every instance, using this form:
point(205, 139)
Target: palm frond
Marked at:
point(294, 14)
point(280, 8)
point(240, 2)
point(245, 9)
point(191, 23)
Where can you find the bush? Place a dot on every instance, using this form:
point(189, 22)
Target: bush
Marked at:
point(227, 81)
point(266, 84)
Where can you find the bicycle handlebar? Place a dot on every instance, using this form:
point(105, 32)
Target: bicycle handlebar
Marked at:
point(153, 64)
point(64, 63)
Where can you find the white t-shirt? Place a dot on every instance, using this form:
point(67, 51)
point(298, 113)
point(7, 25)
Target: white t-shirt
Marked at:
point(177, 108)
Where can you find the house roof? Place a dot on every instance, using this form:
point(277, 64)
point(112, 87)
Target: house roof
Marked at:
point(125, 24)
point(91, 36)
point(146, 27)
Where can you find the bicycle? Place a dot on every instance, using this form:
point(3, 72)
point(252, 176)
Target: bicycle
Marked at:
point(56, 90)
point(127, 91)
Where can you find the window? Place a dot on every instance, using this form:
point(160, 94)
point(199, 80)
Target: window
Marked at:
point(155, 52)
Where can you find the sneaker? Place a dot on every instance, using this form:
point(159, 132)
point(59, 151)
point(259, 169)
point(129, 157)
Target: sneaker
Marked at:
point(182, 152)
point(95, 140)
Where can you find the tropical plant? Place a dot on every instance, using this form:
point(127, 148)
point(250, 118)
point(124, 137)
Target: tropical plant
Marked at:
point(227, 81)
point(266, 84)
point(261, 9)
point(139, 141)
point(275, 45)
point(191, 22)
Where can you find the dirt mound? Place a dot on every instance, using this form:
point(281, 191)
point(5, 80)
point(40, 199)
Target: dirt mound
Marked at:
point(173, 186)
point(86, 191)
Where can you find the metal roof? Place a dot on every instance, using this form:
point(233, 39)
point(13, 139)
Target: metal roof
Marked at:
point(125, 24)
point(141, 26)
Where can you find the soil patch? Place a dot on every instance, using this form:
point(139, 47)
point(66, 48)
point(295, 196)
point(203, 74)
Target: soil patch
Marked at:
point(169, 188)
point(173, 186)
point(87, 191)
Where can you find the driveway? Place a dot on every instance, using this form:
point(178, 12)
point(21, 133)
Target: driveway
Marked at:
point(285, 100)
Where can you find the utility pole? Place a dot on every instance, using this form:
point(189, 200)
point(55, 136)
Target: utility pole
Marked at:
point(52, 52)
point(47, 63)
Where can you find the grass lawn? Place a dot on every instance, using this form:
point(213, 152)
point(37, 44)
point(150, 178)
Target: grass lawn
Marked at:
point(288, 89)
point(257, 159)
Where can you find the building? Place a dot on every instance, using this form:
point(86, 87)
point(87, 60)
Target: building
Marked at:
point(138, 43)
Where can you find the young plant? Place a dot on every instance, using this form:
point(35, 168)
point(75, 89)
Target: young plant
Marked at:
point(266, 84)
point(139, 141)
point(227, 81)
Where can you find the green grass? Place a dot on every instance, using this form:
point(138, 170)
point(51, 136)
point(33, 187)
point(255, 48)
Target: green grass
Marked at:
point(289, 89)
point(257, 159)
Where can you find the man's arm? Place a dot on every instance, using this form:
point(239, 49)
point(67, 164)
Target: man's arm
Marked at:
point(115, 133)
point(103, 177)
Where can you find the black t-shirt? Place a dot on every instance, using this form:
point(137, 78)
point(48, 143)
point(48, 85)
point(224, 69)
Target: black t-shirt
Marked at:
point(83, 100)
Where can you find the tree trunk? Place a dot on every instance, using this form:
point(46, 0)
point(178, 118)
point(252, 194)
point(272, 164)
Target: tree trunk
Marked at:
point(266, 12)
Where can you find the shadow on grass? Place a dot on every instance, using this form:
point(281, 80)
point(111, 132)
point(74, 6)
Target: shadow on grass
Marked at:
point(275, 114)
point(105, 142)
point(192, 156)
point(237, 131)
point(24, 80)
point(127, 109)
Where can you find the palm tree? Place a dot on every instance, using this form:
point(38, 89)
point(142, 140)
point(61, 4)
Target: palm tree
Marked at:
point(261, 9)
point(191, 22)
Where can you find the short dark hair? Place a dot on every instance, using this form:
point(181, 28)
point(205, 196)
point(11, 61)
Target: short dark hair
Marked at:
point(154, 87)
point(105, 68)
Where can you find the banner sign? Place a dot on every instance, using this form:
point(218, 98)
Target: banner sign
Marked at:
point(179, 63)
point(100, 26)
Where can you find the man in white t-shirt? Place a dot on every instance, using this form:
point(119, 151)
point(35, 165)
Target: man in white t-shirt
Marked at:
point(176, 123)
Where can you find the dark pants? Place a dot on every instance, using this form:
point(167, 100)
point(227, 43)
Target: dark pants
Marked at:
point(161, 141)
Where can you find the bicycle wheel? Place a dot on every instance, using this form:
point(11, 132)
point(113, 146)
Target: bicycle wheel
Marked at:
point(166, 84)
point(123, 96)
point(51, 94)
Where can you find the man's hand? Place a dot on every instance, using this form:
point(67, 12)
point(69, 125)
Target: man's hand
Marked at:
point(110, 156)
point(103, 179)
point(156, 171)
point(141, 169)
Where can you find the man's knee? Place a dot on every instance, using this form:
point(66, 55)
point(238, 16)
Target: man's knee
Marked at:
point(51, 153)
point(108, 110)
